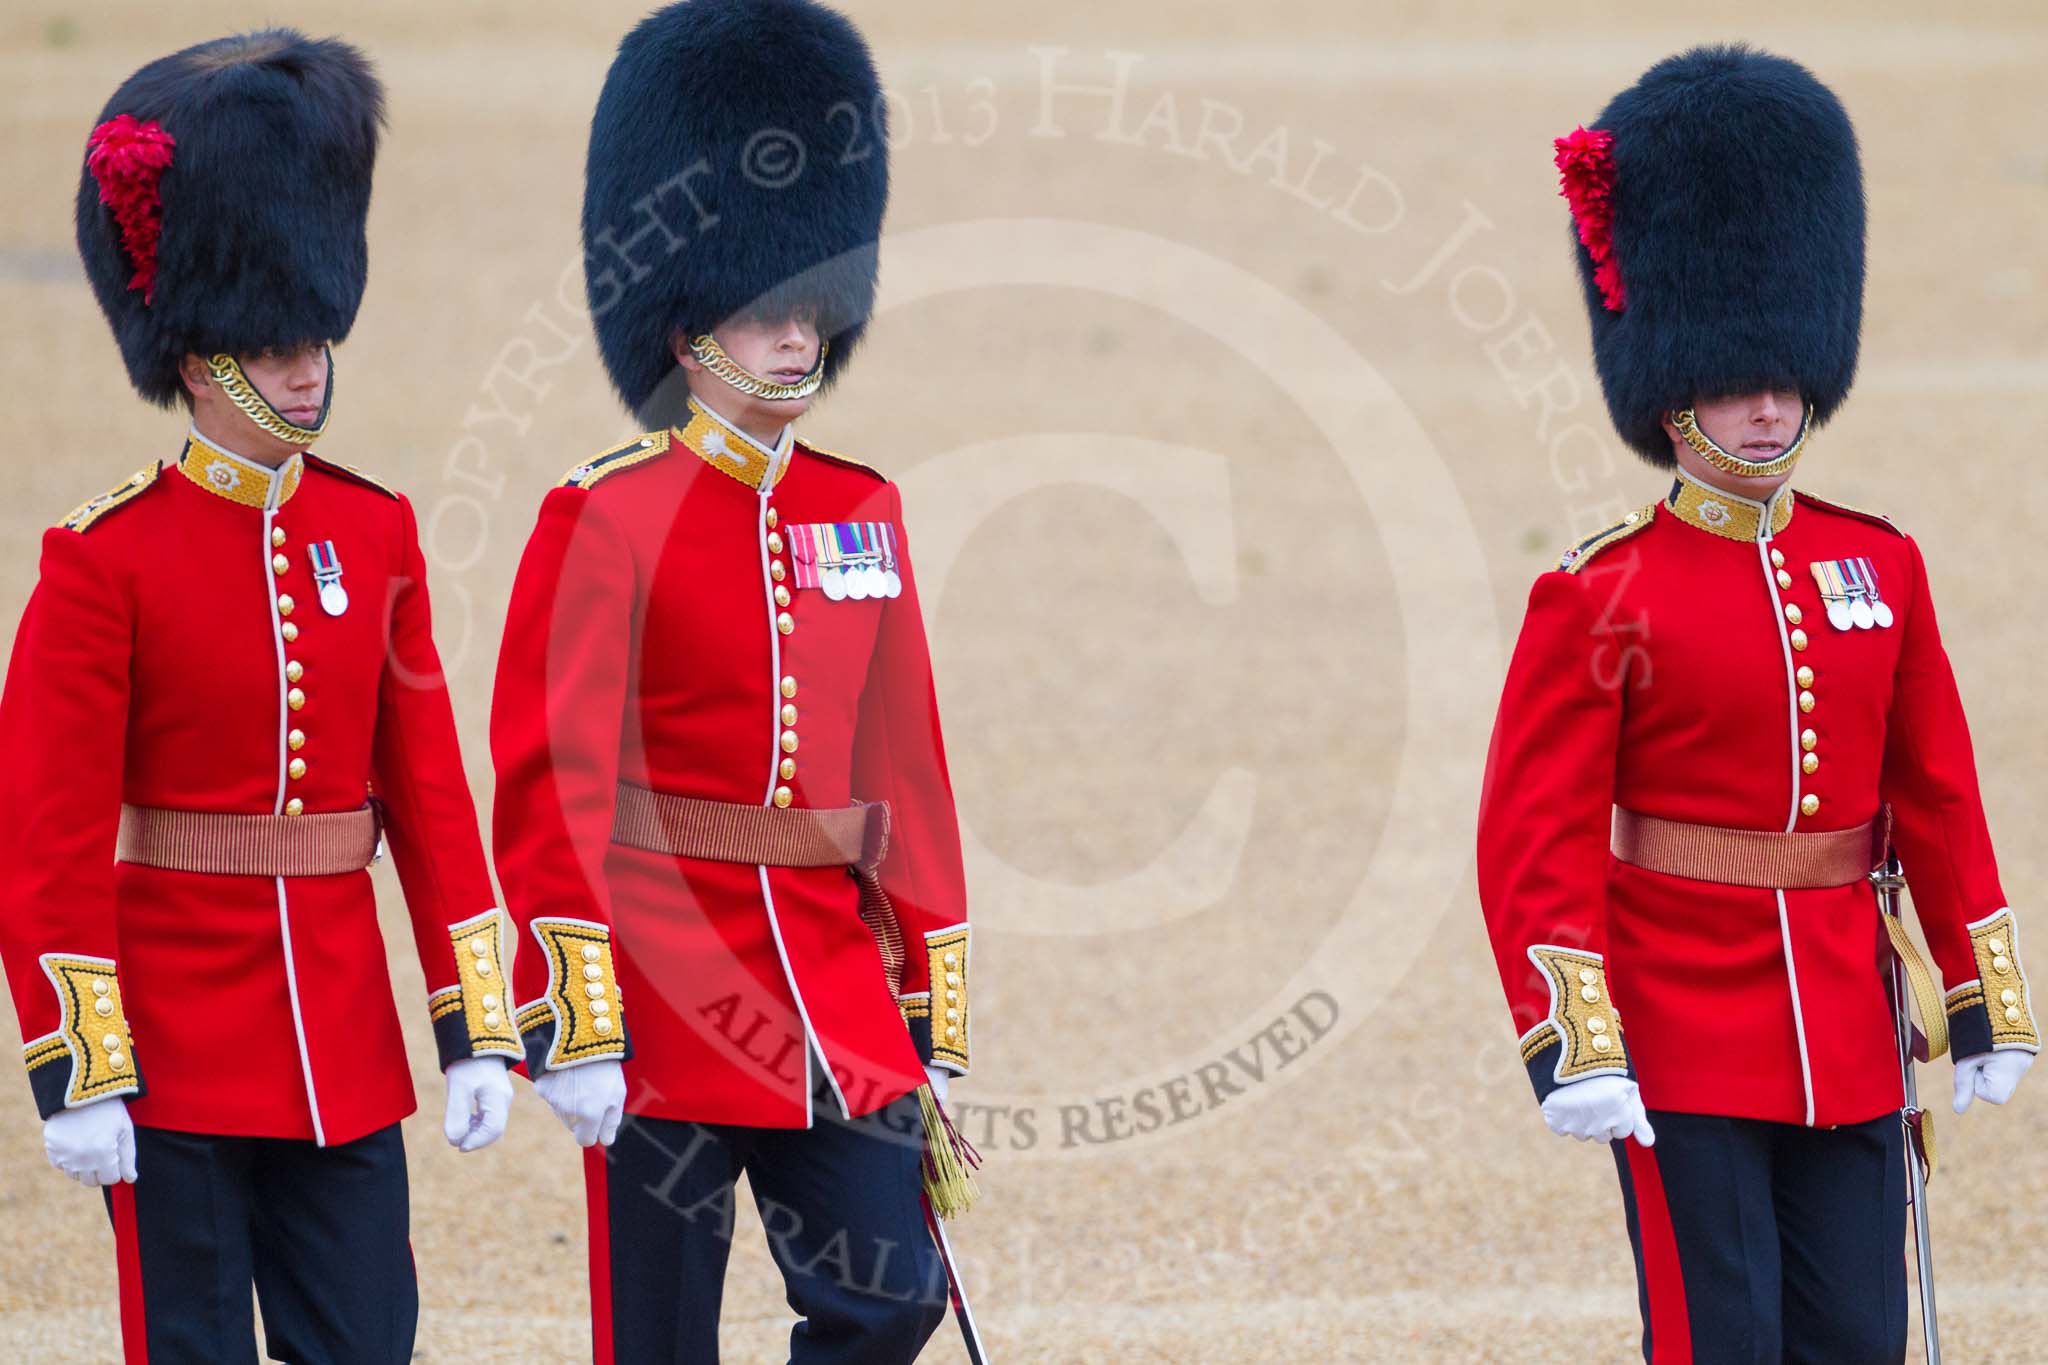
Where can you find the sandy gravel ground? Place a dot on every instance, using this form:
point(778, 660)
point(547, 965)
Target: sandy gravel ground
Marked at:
point(1231, 363)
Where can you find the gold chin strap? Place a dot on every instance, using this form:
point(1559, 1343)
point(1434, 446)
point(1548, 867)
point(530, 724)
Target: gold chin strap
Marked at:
point(712, 357)
point(227, 372)
point(1730, 463)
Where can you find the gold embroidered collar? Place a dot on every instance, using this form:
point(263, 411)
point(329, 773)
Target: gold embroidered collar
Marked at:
point(225, 474)
point(1728, 514)
point(731, 451)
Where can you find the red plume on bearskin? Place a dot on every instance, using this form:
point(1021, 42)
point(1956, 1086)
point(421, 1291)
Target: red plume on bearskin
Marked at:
point(1585, 162)
point(127, 157)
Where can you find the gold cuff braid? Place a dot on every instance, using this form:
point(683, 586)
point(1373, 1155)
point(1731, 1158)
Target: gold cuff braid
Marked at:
point(1582, 1016)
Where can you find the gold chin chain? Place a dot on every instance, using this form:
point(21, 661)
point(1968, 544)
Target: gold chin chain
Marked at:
point(1729, 463)
point(227, 372)
point(712, 357)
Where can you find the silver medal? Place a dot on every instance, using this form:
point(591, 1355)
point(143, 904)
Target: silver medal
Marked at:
point(1883, 614)
point(894, 581)
point(333, 598)
point(1861, 614)
point(1838, 614)
point(834, 585)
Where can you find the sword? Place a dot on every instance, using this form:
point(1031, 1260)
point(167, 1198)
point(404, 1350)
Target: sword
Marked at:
point(1889, 881)
point(969, 1332)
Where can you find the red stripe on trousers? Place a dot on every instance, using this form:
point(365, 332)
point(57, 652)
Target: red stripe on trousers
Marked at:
point(597, 1201)
point(1670, 1323)
point(128, 1269)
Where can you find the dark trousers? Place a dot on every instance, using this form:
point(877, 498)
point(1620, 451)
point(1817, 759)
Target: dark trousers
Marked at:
point(1768, 1242)
point(320, 1231)
point(839, 1203)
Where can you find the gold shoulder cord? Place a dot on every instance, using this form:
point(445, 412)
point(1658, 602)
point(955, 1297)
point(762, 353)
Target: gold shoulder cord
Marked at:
point(712, 357)
point(1689, 427)
point(227, 372)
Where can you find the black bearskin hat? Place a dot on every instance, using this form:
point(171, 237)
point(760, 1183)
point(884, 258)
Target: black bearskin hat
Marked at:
point(1718, 225)
point(738, 163)
point(222, 202)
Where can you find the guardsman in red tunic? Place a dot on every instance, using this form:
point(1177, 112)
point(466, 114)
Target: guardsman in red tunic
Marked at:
point(1720, 713)
point(723, 820)
point(223, 691)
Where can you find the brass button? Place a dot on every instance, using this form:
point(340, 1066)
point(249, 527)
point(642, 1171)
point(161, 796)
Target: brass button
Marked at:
point(953, 1015)
point(1784, 579)
point(491, 1000)
point(296, 699)
point(279, 564)
point(285, 605)
point(788, 686)
point(100, 986)
point(2012, 1016)
point(782, 797)
point(600, 1007)
point(952, 1030)
point(772, 519)
point(783, 623)
point(297, 769)
point(781, 595)
point(277, 535)
point(1793, 614)
point(1996, 945)
point(789, 741)
point(595, 990)
point(295, 807)
point(952, 995)
point(120, 1063)
point(294, 671)
point(289, 631)
point(103, 1007)
point(787, 769)
point(775, 570)
point(774, 543)
point(112, 1042)
point(951, 959)
point(1777, 559)
point(788, 713)
point(2001, 965)
point(480, 946)
point(2005, 997)
point(1808, 804)
point(1596, 1025)
point(296, 739)
point(1805, 676)
point(1799, 639)
point(1806, 701)
point(1590, 994)
point(1810, 763)
point(1808, 740)
point(590, 953)
point(1601, 1042)
point(602, 1024)
point(484, 967)
point(592, 972)
point(952, 978)
point(492, 1019)
point(1587, 976)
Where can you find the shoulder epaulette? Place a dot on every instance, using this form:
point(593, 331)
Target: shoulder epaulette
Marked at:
point(639, 450)
point(92, 509)
point(349, 471)
point(1874, 518)
point(847, 460)
point(1582, 553)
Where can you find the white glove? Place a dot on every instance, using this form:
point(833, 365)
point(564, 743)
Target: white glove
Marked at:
point(479, 1101)
point(938, 1076)
point(1599, 1109)
point(1990, 1074)
point(590, 1099)
point(93, 1144)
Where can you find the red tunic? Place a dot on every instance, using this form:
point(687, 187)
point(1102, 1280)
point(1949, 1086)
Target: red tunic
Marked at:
point(645, 642)
point(1685, 665)
point(176, 622)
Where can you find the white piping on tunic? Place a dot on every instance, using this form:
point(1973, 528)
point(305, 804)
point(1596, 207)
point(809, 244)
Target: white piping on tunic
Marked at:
point(1798, 1016)
point(811, 1040)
